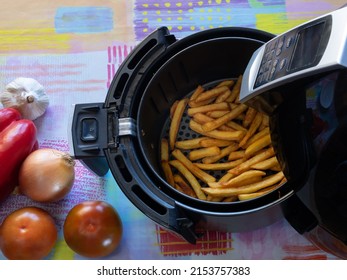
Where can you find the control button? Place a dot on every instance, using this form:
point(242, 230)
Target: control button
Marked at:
point(266, 77)
point(272, 73)
point(275, 63)
point(89, 129)
point(274, 45)
point(289, 42)
point(283, 63)
point(262, 69)
point(280, 45)
point(271, 54)
point(262, 66)
point(268, 65)
point(281, 41)
point(268, 47)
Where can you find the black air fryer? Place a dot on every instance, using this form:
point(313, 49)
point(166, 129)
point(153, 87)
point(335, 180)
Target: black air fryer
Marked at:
point(307, 129)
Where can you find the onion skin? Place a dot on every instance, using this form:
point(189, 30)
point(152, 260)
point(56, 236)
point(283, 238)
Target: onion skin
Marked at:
point(47, 175)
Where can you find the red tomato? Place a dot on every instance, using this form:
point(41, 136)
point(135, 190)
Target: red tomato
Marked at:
point(28, 233)
point(93, 229)
point(7, 116)
point(17, 140)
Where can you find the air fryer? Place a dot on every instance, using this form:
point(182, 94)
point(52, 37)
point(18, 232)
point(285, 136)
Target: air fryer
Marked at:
point(123, 135)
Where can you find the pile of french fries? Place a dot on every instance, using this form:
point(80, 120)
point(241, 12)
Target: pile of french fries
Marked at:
point(232, 138)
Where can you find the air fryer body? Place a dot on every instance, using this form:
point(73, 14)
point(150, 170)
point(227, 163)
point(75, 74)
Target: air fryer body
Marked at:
point(309, 133)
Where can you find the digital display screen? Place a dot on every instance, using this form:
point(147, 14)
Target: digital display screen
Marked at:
point(307, 45)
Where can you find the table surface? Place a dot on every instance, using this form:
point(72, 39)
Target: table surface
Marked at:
point(74, 50)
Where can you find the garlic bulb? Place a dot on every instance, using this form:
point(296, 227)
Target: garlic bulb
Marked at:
point(27, 96)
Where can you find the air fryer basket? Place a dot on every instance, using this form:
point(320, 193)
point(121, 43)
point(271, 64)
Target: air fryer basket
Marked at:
point(136, 113)
point(203, 63)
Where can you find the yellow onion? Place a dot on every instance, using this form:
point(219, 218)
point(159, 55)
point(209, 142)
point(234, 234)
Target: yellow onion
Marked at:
point(47, 175)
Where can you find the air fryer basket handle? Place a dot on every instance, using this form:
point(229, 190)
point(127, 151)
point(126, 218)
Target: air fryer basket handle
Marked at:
point(88, 136)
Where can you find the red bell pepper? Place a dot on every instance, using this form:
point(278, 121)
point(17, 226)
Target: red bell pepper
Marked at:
point(7, 116)
point(17, 140)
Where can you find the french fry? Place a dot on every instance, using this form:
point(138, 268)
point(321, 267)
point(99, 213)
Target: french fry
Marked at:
point(164, 150)
point(250, 188)
point(191, 143)
point(204, 152)
point(194, 103)
point(223, 96)
point(190, 178)
point(236, 155)
point(211, 125)
point(164, 155)
point(231, 198)
point(266, 164)
point(262, 192)
point(175, 122)
point(224, 152)
point(215, 199)
point(168, 172)
point(244, 178)
point(235, 90)
point(247, 196)
point(276, 168)
point(202, 175)
point(247, 181)
point(219, 166)
point(209, 142)
point(212, 93)
point(183, 186)
point(217, 113)
point(240, 117)
point(258, 135)
point(258, 145)
point(235, 126)
point(249, 116)
point(233, 105)
point(177, 187)
point(207, 108)
point(252, 128)
point(284, 180)
point(199, 89)
point(265, 122)
point(226, 177)
point(246, 165)
point(223, 135)
point(173, 108)
point(202, 119)
point(228, 83)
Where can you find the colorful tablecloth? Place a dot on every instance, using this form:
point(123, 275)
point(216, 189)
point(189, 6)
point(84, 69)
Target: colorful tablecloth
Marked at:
point(74, 49)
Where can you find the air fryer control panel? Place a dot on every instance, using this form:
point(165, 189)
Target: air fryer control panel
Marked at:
point(296, 50)
point(315, 47)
